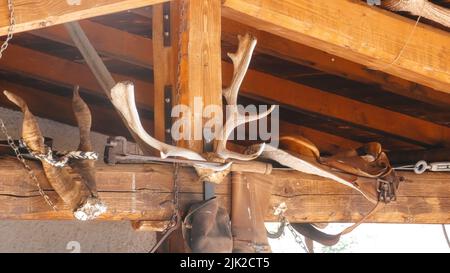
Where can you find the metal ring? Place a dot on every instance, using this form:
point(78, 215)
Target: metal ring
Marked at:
point(421, 167)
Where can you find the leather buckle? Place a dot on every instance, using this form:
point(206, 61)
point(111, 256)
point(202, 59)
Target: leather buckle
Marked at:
point(386, 190)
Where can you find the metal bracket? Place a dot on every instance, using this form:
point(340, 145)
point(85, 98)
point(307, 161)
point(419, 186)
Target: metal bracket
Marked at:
point(166, 25)
point(167, 113)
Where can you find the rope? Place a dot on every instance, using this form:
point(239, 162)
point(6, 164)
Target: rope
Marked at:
point(400, 53)
point(446, 235)
point(62, 158)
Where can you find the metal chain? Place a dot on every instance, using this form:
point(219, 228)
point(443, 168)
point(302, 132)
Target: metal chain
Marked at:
point(12, 24)
point(297, 237)
point(175, 219)
point(19, 157)
point(9, 139)
point(181, 29)
point(284, 222)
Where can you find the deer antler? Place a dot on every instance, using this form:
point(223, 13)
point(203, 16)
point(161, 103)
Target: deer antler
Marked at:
point(241, 60)
point(122, 97)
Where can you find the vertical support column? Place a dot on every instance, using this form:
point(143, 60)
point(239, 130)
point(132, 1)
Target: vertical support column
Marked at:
point(200, 75)
point(191, 67)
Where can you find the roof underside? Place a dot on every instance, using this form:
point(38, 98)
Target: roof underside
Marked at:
point(325, 128)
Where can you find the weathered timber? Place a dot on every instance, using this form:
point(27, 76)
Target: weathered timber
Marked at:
point(286, 49)
point(144, 192)
point(354, 31)
point(281, 91)
point(36, 14)
point(50, 68)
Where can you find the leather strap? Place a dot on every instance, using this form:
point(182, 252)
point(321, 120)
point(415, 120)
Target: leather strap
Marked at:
point(310, 231)
point(367, 169)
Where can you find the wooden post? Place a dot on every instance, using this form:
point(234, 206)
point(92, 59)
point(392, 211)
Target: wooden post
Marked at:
point(187, 64)
point(200, 65)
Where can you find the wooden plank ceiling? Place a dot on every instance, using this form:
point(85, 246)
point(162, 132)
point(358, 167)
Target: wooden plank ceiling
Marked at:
point(330, 100)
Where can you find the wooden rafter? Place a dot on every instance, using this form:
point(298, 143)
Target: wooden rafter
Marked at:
point(143, 192)
point(300, 96)
point(50, 68)
point(109, 41)
point(36, 14)
point(281, 91)
point(45, 104)
point(326, 142)
point(354, 31)
point(128, 47)
point(308, 56)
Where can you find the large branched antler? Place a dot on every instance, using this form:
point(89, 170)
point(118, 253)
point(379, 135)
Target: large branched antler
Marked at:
point(122, 97)
point(241, 60)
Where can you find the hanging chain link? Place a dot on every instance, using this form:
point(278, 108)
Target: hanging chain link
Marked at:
point(175, 219)
point(181, 29)
point(298, 239)
point(176, 166)
point(19, 157)
point(9, 139)
point(12, 24)
point(284, 222)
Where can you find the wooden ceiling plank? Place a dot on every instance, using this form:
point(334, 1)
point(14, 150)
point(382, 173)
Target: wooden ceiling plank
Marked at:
point(59, 108)
point(357, 32)
point(289, 50)
point(109, 41)
point(267, 87)
point(35, 14)
point(310, 99)
point(327, 143)
point(43, 66)
point(127, 47)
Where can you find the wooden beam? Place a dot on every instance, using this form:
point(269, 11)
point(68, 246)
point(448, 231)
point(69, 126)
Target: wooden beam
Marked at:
point(137, 50)
point(144, 192)
point(49, 68)
point(327, 143)
point(357, 32)
point(59, 108)
point(127, 47)
point(282, 91)
point(144, 12)
point(289, 50)
point(36, 14)
point(141, 49)
point(291, 94)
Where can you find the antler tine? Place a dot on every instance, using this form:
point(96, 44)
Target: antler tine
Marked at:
point(241, 61)
point(122, 97)
point(235, 120)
